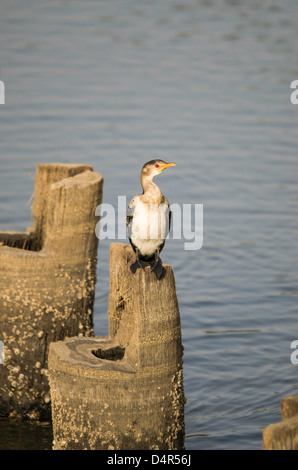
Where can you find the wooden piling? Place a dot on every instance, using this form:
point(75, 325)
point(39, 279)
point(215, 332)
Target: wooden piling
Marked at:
point(123, 391)
point(283, 435)
point(47, 283)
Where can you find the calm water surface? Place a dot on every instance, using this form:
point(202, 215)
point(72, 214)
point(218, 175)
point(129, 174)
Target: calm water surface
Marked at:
point(206, 84)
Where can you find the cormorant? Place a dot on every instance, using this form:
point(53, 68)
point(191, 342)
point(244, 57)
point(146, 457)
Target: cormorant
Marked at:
point(148, 220)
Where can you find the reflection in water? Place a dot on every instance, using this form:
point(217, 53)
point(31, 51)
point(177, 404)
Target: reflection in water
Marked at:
point(23, 435)
point(209, 332)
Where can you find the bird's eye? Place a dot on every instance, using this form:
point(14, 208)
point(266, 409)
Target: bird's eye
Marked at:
point(157, 165)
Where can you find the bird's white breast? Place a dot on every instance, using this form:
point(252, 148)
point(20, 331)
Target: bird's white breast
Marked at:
point(149, 226)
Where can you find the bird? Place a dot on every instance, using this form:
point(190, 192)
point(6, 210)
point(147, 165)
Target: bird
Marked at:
point(148, 220)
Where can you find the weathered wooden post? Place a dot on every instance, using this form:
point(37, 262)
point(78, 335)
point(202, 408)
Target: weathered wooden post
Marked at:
point(123, 391)
point(47, 283)
point(283, 435)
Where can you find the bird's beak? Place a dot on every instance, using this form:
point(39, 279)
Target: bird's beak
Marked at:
point(165, 166)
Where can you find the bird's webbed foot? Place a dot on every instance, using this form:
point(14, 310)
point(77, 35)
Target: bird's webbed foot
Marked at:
point(157, 266)
point(137, 264)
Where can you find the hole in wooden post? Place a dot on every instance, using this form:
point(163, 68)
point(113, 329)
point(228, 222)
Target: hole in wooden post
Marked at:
point(112, 354)
point(20, 240)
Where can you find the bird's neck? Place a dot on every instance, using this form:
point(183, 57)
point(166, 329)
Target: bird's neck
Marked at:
point(152, 193)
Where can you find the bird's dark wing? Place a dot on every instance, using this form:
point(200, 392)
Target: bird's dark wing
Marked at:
point(128, 219)
point(168, 215)
point(130, 210)
point(169, 221)
point(169, 218)
point(129, 216)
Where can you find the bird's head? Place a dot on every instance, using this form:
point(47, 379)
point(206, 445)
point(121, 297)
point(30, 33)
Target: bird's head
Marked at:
point(154, 167)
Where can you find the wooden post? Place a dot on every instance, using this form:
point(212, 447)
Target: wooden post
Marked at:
point(47, 283)
point(46, 175)
point(123, 391)
point(283, 435)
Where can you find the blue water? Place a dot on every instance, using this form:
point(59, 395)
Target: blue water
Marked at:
point(206, 84)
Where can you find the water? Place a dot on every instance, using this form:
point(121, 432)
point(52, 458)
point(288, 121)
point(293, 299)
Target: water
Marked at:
point(205, 84)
